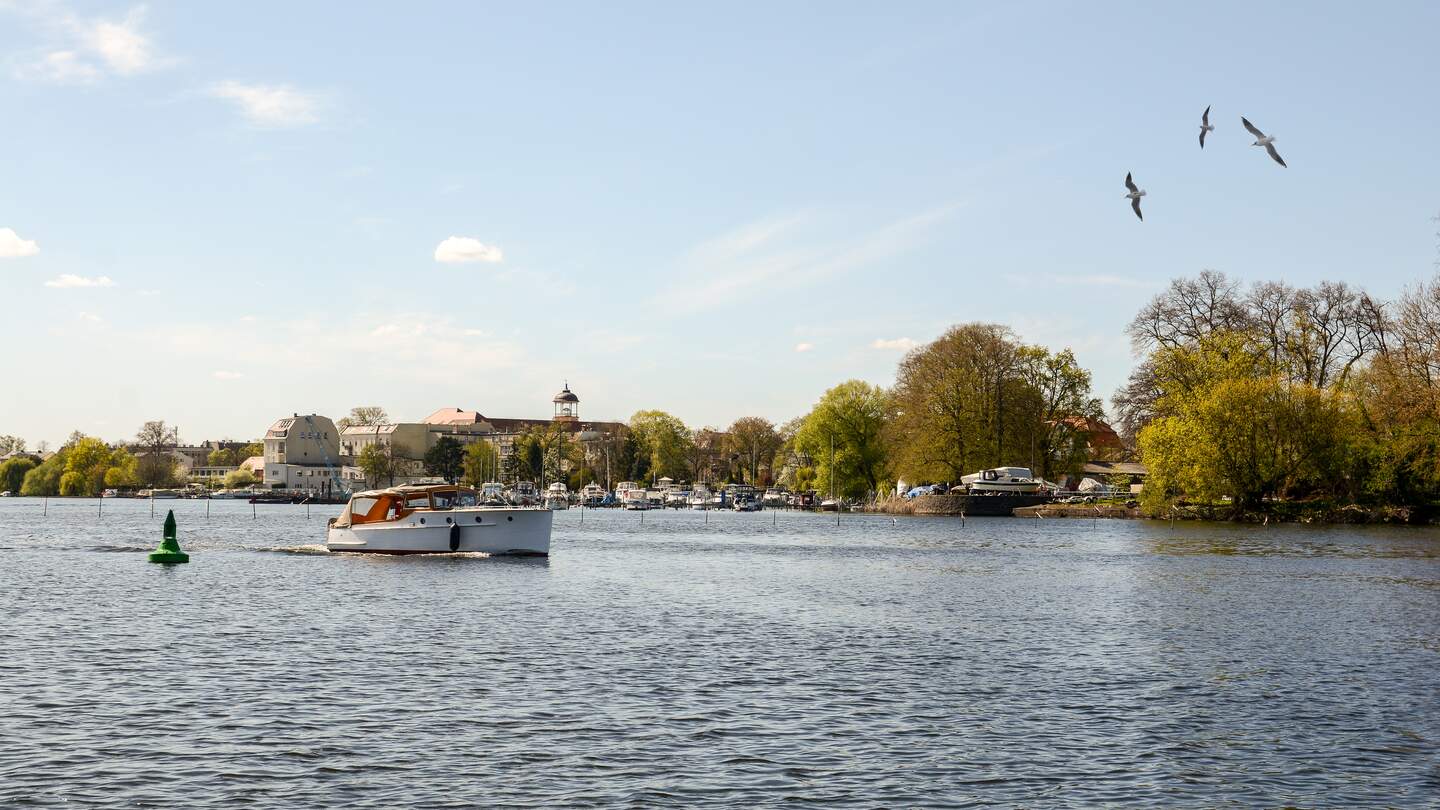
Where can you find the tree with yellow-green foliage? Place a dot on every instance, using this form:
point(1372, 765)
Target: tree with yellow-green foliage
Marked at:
point(1231, 425)
point(482, 463)
point(844, 432)
point(665, 440)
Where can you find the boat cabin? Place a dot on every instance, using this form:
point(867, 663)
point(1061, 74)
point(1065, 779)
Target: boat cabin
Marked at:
point(379, 505)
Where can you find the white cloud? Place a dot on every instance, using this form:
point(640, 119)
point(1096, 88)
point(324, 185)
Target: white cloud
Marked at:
point(804, 347)
point(227, 375)
point(461, 249)
point(90, 317)
point(122, 46)
point(69, 281)
point(903, 344)
point(270, 105)
point(85, 49)
point(13, 247)
point(148, 293)
point(61, 67)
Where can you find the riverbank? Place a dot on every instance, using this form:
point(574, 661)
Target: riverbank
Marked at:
point(1308, 512)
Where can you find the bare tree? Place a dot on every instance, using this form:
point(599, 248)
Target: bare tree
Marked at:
point(1190, 309)
point(365, 415)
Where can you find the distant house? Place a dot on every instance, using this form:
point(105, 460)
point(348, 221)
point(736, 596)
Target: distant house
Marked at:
point(302, 454)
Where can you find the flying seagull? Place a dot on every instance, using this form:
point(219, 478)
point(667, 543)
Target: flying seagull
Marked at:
point(1267, 141)
point(1205, 126)
point(1134, 196)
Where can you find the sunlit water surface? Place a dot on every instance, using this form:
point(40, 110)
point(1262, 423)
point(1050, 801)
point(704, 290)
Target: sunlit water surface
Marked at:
point(728, 659)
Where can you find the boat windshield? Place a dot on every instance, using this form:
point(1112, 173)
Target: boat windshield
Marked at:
point(447, 499)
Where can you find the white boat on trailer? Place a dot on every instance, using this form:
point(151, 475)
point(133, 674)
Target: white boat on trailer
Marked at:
point(436, 519)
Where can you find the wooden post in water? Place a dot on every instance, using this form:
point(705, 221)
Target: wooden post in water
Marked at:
point(253, 515)
point(207, 508)
point(100, 507)
point(46, 513)
point(152, 503)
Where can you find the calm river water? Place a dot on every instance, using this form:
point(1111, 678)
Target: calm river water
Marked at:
point(758, 659)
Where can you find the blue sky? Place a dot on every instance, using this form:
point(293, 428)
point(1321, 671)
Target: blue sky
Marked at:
point(217, 215)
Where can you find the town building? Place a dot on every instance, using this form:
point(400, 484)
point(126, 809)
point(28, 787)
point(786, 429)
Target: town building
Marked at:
point(302, 454)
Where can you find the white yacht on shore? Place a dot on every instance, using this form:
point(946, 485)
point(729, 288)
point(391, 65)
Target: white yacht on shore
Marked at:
point(436, 519)
point(1006, 480)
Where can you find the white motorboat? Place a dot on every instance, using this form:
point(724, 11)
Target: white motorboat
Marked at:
point(635, 498)
point(557, 496)
point(492, 493)
point(700, 497)
point(775, 497)
point(436, 519)
point(592, 495)
point(525, 494)
point(677, 498)
point(1005, 480)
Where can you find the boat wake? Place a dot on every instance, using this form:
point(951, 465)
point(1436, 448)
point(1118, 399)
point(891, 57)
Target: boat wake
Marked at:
point(311, 548)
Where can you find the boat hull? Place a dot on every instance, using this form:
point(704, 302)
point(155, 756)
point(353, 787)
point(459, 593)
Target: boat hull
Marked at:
point(485, 530)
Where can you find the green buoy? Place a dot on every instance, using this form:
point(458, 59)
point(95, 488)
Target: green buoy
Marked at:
point(169, 552)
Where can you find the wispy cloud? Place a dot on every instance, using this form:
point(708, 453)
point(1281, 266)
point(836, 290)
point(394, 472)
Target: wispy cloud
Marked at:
point(68, 281)
point(903, 344)
point(86, 49)
point(13, 247)
point(227, 375)
point(786, 252)
point(60, 67)
point(804, 347)
point(90, 317)
point(270, 105)
point(465, 249)
point(412, 346)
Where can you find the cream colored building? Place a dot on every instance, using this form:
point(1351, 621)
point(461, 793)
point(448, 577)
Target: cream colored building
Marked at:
point(408, 442)
point(302, 453)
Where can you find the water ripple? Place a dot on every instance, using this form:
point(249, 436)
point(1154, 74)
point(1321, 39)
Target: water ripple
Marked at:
point(735, 660)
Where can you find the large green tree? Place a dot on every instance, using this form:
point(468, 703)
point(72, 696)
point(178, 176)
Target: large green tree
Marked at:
point(378, 465)
point(753, 441)
point(446, 459)
point(850, 419)
point(1230, 425)
point(12, 473)
point(665, 440)
point(234, 456)
point(976, 397)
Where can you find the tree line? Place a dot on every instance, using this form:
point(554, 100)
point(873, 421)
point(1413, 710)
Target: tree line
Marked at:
point(1245, 395)
point(86, 466)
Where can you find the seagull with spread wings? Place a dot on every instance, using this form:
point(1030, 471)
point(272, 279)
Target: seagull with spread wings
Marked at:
point(1134, 196)
point(1267, 141)
point(1205, 126)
